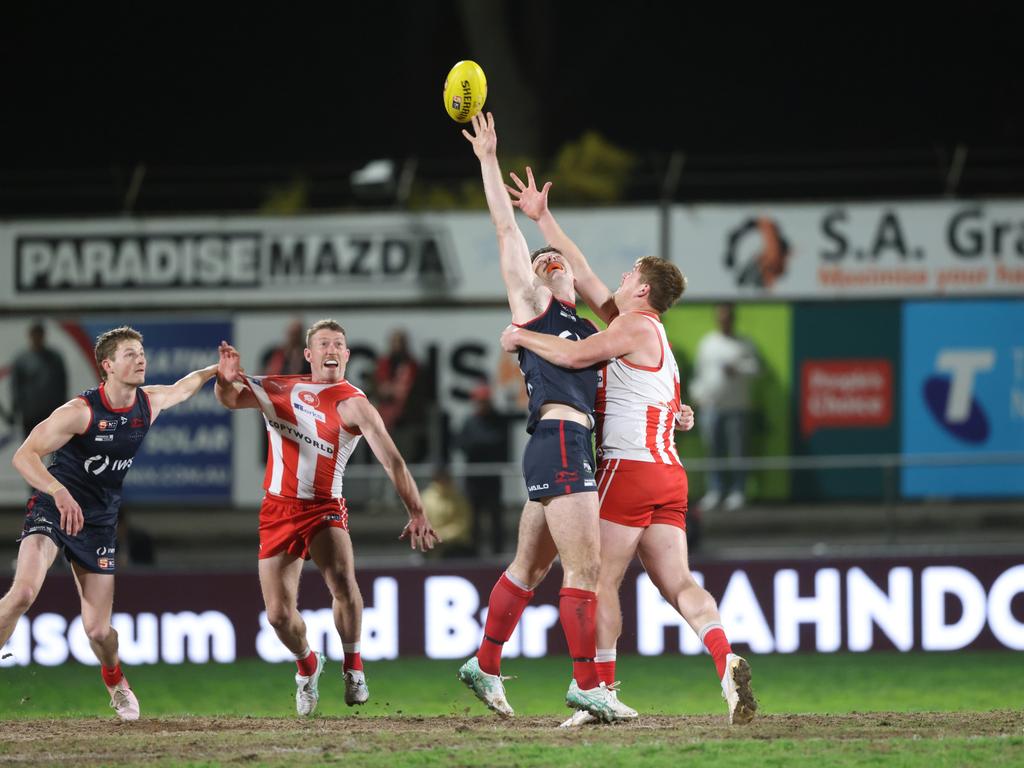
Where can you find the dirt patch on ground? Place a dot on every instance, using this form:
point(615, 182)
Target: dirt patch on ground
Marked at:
point(97, 741)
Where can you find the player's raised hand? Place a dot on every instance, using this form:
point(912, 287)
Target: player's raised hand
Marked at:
point(508, 338)
point(484, 138)
point(420, 533)
point(71, 518)
point(684, 419)
point(526, 197)
point(229, 366)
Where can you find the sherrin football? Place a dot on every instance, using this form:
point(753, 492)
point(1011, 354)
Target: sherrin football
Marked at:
point(465, 91)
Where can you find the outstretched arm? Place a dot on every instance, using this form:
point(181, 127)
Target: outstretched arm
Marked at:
point(163, 396)
point(230, 391)
point(358, 412)
point(50, 434)
point(534, 203)
point(512, 248)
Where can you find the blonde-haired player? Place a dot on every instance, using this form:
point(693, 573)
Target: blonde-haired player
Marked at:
point(642, 486)
point(314, 422)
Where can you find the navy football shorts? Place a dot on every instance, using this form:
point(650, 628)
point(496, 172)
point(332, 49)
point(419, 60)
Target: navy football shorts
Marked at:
point(94, 547)
point(559, 460)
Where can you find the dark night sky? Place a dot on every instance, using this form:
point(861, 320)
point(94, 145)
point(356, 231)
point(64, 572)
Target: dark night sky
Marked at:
point(184, 84)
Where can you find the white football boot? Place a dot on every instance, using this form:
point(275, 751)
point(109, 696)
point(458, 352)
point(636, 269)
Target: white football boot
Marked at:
point(356, 691)
point(736, 690)
point(123, 700)
point(490, 689)
point(307, 688)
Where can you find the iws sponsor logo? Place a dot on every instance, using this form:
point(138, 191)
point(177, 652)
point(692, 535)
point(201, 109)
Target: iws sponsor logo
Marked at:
point(106, 425)
point(949, 395)
point(95, 465)
point(105, 563)
point(403, 252)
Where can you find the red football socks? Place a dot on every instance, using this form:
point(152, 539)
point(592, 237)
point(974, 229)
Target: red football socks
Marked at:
point(112, 675)
point(353, 660)
point(504, 608)
point(605, 663)
point(307, 665)
point(577, 609)
point(718, 646)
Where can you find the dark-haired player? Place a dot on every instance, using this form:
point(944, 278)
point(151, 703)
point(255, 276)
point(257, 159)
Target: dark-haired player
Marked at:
point(560, 517)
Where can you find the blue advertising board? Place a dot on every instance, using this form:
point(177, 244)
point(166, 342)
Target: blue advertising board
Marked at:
point(186, 456)
point(963, 393)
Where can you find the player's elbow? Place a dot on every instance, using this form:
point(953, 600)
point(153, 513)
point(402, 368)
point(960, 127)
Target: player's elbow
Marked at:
point(20, 459)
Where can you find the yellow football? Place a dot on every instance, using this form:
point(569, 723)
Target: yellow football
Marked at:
point(465, 91)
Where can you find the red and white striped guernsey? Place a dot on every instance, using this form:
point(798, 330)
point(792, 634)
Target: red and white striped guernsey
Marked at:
point(637, 406)
point(309, 443)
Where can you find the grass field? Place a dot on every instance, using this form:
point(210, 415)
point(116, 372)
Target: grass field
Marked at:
point(876, 709)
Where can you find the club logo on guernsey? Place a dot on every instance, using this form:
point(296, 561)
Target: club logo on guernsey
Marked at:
point(310, 398)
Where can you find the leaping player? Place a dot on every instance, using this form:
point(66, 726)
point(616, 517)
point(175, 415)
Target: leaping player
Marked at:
point(642, 483)
point(560, 517)
point(314, 423)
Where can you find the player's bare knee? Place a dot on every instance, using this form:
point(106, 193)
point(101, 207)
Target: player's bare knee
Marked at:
point(279, 616)
point(21, 596)
point(343, 587)
point(98, 633)
point(583, 576)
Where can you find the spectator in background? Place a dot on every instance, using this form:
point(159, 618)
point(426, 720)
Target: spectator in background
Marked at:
point(39, 381)
point(395, 387)
point(725, 367)
point(288, 357)
point(483, 439)
point(449, 512)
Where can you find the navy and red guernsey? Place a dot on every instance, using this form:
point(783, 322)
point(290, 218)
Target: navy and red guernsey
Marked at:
point(92, 465)
point(549, 383)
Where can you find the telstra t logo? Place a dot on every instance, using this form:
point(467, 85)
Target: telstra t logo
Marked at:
point(950, 398)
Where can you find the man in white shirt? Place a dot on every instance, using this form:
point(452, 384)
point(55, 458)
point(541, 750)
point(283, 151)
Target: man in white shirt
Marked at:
point(725, 369)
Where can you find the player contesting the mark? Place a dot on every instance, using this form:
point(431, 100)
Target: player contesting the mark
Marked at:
point(560, 517)
point(642, 485)
point(93, 439)
point(314, 422)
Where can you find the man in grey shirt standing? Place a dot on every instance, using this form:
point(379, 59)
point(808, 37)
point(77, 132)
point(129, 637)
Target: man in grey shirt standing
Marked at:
point(39, 381)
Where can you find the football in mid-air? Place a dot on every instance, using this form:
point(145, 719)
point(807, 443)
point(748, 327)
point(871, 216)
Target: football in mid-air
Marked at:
point(465, 91)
